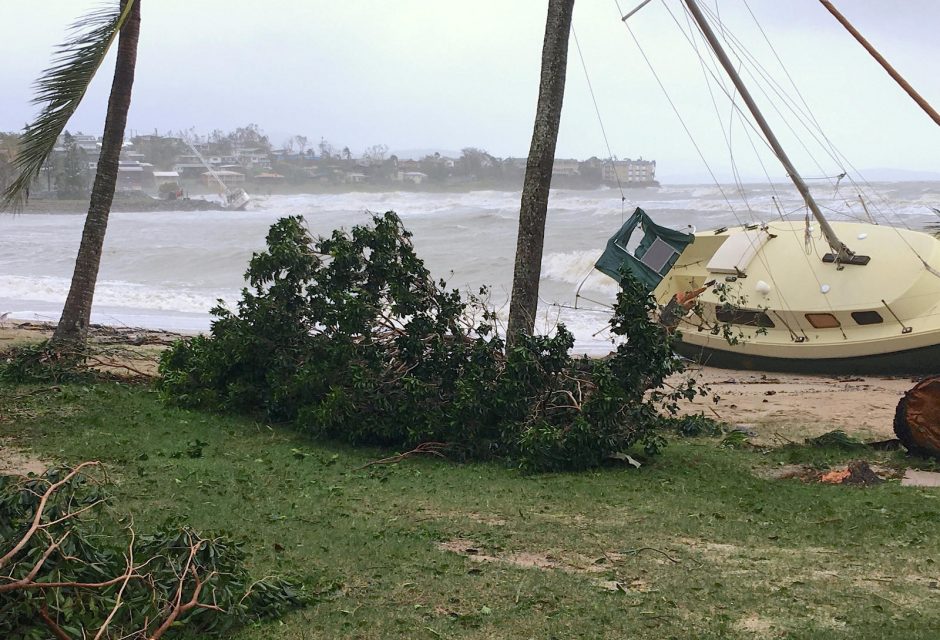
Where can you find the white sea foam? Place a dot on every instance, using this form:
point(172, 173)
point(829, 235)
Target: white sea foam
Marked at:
point(112, 294)
point(166, 270)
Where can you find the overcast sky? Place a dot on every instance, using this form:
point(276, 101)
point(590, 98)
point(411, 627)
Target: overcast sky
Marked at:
point(448, 74)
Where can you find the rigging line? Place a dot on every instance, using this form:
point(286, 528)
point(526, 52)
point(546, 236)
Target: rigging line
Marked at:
point(764, 75)
point(678, 115)
point(836, 155)
point(808, 113)
point(840, 157)
point(731, 113)
point(763, 259)
point(719, 79)
point(742, 53)
point(725, 133)
point(744, 117)
point(600, 120)
point(759, 254)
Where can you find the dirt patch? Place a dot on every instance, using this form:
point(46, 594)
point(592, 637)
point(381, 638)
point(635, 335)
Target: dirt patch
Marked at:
point(487, 519)
point(19, 463)
point(120, 351)
point(756, 625)
point(568, 562)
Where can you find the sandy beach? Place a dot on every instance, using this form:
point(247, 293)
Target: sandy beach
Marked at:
point(782, 407)
point(778, 407)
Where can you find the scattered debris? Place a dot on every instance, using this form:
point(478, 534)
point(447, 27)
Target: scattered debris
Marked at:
point(858, 472)
point(838, 476)
point(837, 439)
point(747, 429)
point(892, 444)
point(862, 474)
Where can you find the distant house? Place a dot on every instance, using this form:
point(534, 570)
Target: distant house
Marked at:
point(354, 177)
point(189, 170)
point(414, 177)
point(134, 176)
point(630, 171)
point(565, 167)
point(253, 158)
point(162, 177)
point(228, 178)
point(269, 177)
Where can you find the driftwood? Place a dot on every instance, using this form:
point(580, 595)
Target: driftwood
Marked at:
point(917, 419)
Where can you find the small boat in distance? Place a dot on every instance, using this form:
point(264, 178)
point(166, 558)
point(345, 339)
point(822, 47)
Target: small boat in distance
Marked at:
point(789, 295)
point(232, 199)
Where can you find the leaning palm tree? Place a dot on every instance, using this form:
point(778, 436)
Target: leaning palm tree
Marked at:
point(538, 171)
point(60, 90)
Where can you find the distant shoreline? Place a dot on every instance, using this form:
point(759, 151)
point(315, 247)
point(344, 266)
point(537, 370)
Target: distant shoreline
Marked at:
point(196, 201)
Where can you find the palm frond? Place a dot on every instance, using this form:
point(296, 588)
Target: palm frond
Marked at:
point(61, 89)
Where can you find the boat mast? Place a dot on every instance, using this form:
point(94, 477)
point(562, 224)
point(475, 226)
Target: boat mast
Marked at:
point(884, 63)
point(208, 166)
point(841, 252)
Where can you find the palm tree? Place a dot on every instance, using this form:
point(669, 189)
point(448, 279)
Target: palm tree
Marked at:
point(61, 89)
point(538, 171)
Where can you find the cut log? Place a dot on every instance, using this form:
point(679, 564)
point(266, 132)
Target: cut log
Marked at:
point(917, 419)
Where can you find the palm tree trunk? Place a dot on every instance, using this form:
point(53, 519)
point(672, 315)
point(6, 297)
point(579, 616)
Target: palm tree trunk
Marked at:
point(538, 171)
point(76, 315)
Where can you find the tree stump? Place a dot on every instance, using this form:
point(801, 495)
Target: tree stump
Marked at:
point(917, 419)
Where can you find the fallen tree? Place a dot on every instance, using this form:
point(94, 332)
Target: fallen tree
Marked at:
point(62, 571)
point(349, 337)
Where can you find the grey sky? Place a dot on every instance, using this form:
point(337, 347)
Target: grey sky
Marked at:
point(446, 74)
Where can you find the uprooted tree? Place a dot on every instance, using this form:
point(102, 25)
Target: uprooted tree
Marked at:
point(64, 574)
point(349, 337)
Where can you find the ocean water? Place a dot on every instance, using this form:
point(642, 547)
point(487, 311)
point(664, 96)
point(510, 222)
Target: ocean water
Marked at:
point(165, 270)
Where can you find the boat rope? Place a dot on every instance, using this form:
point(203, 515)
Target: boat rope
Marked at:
point(764, 81)
point(744, 119)
point(760, 256)
point(793, 336)
point(804, 115)
point(600, 121)
point(675, 110)
point(829, 147)
point(750, 132)
point(834, 152)
point(726, 133)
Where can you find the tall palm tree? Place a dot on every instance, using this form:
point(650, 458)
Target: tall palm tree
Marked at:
point(60, 90)
point(538, 171)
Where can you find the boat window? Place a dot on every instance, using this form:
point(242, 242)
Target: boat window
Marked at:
point(867, 317)
point(731, 315)
point(823, 320)
point(658, 256)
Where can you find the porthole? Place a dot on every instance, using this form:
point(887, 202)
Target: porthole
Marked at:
point(867, 317)
point(823, 320)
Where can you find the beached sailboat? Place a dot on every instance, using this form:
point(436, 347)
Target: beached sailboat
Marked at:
point(232, 199)
point(780, 296)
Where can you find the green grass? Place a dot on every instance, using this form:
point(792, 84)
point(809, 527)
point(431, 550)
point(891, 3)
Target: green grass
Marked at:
point(747, 557)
